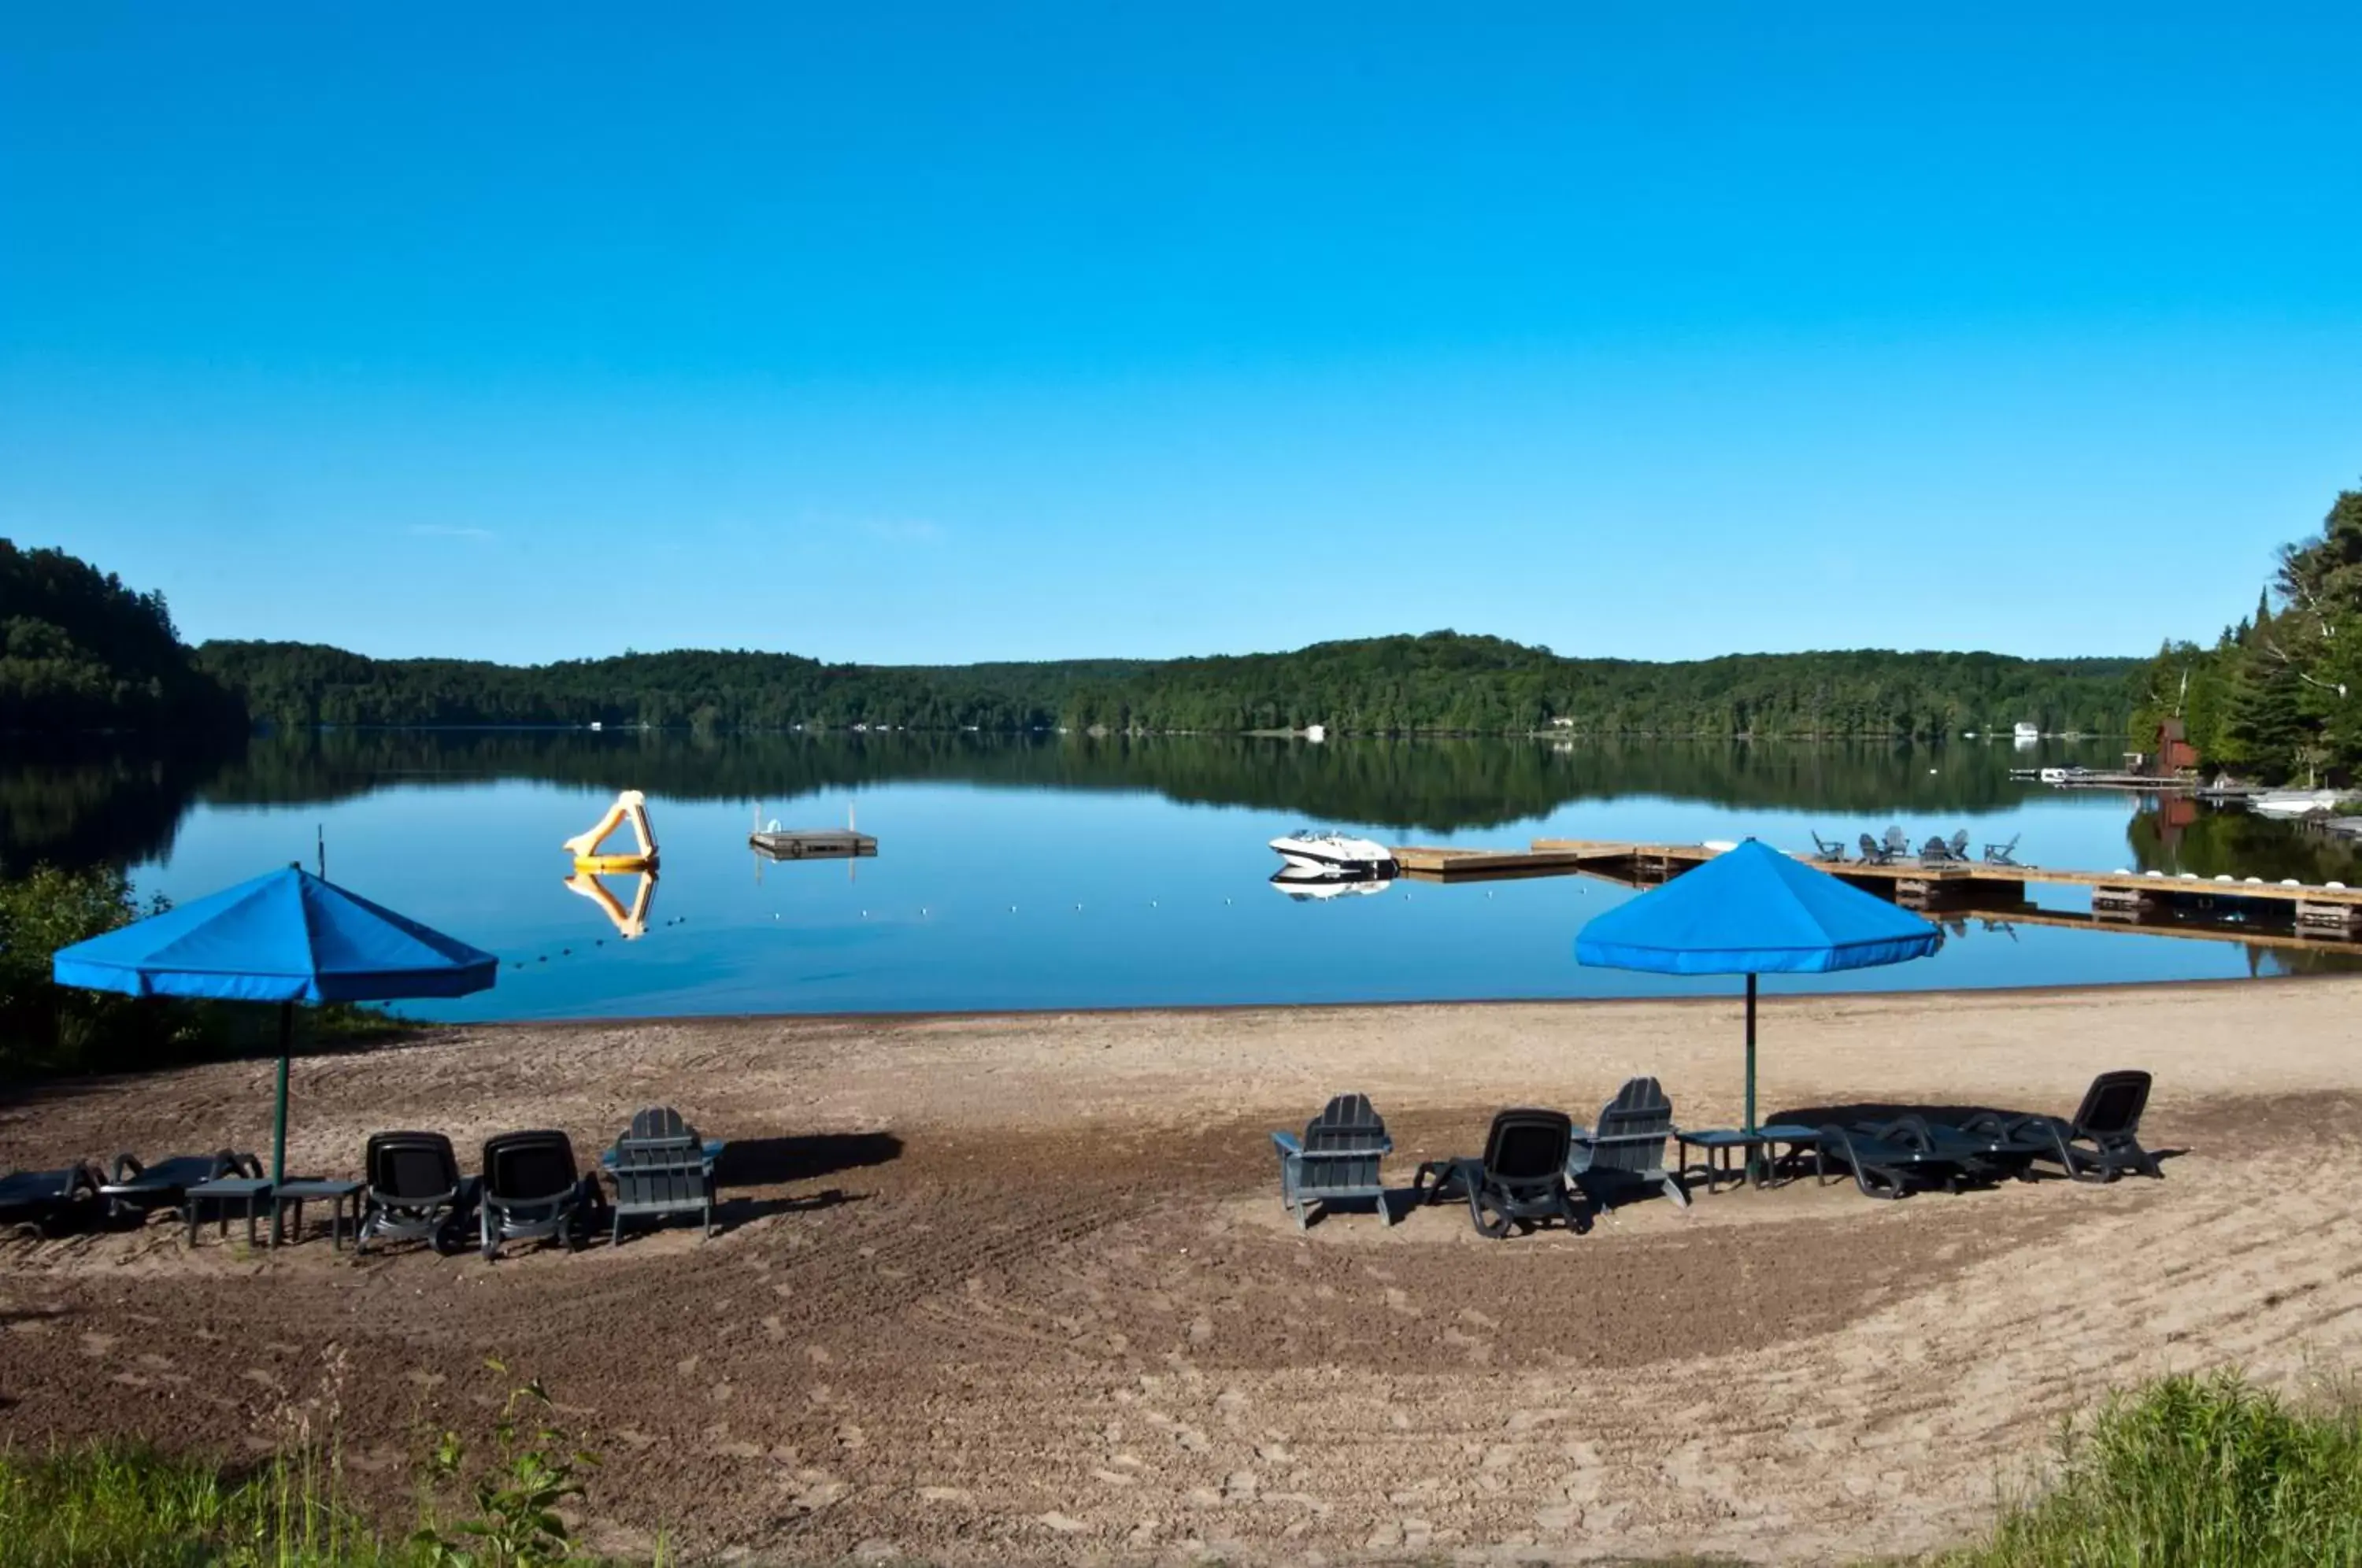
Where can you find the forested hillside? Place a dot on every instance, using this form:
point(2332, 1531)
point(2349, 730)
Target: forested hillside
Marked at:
point(79, 650)
point(2279, 696)
point(1445, 681)
point(1442, 683)
point(298, 684)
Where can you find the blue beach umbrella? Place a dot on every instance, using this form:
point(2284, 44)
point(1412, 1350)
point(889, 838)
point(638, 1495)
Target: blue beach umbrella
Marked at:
point(1752, 910)
point(287, 937)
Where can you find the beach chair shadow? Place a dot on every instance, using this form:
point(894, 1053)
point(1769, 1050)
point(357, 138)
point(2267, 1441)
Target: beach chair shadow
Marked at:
point(779, 1161)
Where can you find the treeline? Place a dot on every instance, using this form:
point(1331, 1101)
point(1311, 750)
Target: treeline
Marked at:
point(1449, 683)
point(1440, 683)
point(2279, 696)
point(299, 685)
point(79, 650)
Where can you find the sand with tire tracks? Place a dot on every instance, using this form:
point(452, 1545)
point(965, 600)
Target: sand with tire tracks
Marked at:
point(1019, 1289)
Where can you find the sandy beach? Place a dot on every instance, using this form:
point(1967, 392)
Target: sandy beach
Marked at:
point(1018, 1287)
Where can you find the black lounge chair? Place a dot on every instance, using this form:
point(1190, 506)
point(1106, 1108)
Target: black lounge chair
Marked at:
point(1338, 1157)
point(1980, 1148)
point(47, 1203)
point(415, 1193)
point(2003, 854)
point(1826, 852)
point(532, 1191)
point(1886, 1162)
point(1520, 1181)
point(1627, 1150)
point(661, 1168)
point(2101, 1143)
point(135, 1188)
point(1874, 853)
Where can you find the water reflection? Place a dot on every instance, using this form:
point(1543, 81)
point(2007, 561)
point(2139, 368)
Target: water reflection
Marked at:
point(1069, 871)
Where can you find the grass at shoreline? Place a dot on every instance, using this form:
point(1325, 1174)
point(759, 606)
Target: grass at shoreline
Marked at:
point(2179, 1473)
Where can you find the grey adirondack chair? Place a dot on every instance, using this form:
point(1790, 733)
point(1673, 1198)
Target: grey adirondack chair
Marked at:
point(1874, 853)
point(1898, 843)
point(1824, 850)
point(1627, 1149)
point(1338, 1157)
point(661, 1168)
point(1959, 846)
point(2003, 854)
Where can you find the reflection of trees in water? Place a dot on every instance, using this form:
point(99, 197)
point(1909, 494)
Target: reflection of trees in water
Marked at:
point(2230, 842)
point(86, 804)
point(116, 809)
point(2208, 842)
point(1432, 784)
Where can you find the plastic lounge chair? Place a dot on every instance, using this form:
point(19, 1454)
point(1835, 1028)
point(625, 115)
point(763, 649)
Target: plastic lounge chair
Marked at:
point(2003, 854)
point(2102, 1142)
point(1980, 1147)
point(660, 1167)
point(532, 1191)
point(1627, 1150)
point(415, 1193)
point(1520, 1181)
point(133, 1187)
point(1338, 1157)
point(1883, 1166)
point(1833, 854)
point(46, 1203)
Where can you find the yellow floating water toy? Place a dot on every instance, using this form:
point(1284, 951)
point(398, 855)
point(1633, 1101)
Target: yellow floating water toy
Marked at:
point(631, 806)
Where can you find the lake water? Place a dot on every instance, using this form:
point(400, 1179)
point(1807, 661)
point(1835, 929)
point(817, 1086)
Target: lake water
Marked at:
point(1065, 872)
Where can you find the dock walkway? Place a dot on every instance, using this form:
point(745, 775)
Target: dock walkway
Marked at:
point(2313, 912)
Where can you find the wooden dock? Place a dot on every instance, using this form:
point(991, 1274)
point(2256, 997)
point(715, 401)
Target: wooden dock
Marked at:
point(2285, 913)
point(812, 843)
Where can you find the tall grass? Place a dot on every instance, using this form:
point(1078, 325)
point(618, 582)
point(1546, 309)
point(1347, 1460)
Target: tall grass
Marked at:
point(2194, 1473)
point(116, 1506)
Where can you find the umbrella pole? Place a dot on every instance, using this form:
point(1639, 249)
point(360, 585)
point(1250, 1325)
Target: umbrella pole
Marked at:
point(1751, 1060)
point(1754, 1155)
point(279, 1117)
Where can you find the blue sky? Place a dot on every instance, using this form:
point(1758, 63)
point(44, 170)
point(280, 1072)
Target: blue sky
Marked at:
point(901, 333)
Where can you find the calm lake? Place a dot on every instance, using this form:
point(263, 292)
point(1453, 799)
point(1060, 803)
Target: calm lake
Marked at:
point(1061, 871)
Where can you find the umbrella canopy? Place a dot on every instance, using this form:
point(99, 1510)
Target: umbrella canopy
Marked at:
point(1752, 910)
point(285, 937)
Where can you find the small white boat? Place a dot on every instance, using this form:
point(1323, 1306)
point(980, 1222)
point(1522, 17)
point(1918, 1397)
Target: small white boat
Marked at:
point(1326, 850)
point(2026, 735)
point(2294, 803)
point(1311, 887)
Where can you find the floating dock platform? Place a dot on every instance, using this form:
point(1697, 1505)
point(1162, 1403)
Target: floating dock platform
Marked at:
point(813, 844)
point(2276, 914)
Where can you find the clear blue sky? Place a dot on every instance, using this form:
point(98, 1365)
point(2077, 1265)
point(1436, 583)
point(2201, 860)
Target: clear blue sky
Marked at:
point(893, 333)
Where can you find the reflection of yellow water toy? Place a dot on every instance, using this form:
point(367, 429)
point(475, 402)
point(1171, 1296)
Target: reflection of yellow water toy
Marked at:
point(630, 806)
point(630, 922)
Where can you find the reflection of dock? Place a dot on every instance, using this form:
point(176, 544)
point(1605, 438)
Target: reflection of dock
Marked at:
point(813, 844)
point(2280, 913)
